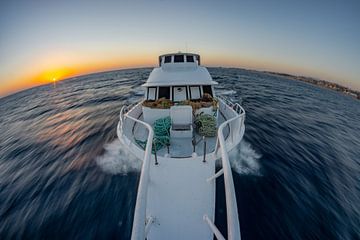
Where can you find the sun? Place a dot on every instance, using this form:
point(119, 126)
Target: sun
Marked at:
point(53, 75)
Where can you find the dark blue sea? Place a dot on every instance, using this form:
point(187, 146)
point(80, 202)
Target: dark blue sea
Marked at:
point(63, 174)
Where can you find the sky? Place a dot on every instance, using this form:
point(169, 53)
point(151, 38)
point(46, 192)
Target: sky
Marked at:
point(45, 41)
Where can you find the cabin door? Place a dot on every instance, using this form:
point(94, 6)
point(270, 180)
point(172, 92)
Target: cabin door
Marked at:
point(179, 93)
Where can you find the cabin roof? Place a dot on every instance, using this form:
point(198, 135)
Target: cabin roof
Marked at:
point(179, 74)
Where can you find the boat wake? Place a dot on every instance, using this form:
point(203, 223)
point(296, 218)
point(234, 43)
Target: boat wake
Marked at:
point(117, 160)
point(245, 160)
point(227, 92)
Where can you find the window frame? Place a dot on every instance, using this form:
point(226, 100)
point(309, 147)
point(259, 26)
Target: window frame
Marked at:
point(179, 55)
point(195, 86)
point(190, 56)
point(172, 91)
point(147, 94)
point(169, 56)
point(197, 57)
point(158, 97)
point(211, 88)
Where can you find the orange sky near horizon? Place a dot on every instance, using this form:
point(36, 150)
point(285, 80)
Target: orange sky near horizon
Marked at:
point(59, 67)
point(46, 71)
point(45, 40)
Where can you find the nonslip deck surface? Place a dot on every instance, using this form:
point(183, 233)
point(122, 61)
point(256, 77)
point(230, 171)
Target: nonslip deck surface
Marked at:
point(178, 198)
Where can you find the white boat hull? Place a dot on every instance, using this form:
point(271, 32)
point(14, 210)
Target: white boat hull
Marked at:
point(178, 193)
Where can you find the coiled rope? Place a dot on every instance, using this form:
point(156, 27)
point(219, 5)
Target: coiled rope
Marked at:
point(206, 125)
point(161, 134)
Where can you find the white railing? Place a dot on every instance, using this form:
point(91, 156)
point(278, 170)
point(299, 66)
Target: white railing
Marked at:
point(138, 228)
point(235, 123)
point(213, 228)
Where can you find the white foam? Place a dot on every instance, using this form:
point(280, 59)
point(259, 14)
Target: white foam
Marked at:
point(118, 160)
point(227, 92)
point(245, 160)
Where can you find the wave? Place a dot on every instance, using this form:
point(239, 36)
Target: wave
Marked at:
point(227, 92)
point(245, 160)
point(118, 160)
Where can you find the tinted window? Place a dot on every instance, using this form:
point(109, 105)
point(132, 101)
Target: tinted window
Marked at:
point(198, 59)
point(164, 92)
point(195, 92)
point(151, 93)
point(207, 89)
point(179, 58)
point(167, 59)
point(189, 58)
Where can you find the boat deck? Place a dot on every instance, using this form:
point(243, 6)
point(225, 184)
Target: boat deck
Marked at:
point(182, 147)
point(178, 209)
point(175, 194)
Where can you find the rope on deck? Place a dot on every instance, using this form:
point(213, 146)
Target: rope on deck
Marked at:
point(161, 134)
point(206, 125)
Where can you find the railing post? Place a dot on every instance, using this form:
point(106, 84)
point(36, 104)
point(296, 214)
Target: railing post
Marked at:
point(213, 228)
point(149, 221)
point(193, 141)
point(156, 161)
point(204, 139)
point(218, 174)
point(216, 146)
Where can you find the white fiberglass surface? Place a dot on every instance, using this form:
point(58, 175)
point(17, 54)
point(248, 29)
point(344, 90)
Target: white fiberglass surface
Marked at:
point(180, 147)
point(177, 207)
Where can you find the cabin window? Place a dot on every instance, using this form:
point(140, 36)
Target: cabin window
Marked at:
point(189, 58)
point(179, 58)
point(179, 93)
point(151, 93)
point(164, 92)
point(167, 59)
point(207, 89)
point(195, 92)
point(198, 59)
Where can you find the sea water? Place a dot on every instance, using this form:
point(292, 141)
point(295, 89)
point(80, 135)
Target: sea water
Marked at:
point(64, 175)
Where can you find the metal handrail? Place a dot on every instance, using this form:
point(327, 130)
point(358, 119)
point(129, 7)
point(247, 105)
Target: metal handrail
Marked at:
point(235, 106)
point(213, 228)
point(233, 227)
point(138, 228)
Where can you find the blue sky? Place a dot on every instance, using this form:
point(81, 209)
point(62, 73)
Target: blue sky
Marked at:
point(312, 38)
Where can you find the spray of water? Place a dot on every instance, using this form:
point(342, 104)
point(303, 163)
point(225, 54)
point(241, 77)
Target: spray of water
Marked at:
point(226, 92)
point(245, 160)
point(118, 160)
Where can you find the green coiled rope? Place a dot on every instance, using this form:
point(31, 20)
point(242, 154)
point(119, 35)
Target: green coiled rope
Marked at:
point(161, 134)
point(206, 125)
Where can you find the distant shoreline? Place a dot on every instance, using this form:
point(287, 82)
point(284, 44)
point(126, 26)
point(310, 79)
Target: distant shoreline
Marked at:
point(320, 83)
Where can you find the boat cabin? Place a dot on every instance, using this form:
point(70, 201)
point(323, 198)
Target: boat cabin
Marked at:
point(179, 80)
point(179, 77)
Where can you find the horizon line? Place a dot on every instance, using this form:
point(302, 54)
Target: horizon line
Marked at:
point(144, 67)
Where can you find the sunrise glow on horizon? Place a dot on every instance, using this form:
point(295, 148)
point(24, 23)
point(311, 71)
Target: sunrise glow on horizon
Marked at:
point(43, 41)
